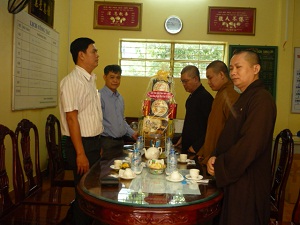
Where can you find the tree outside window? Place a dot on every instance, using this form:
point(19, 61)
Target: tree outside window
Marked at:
point(145, 58)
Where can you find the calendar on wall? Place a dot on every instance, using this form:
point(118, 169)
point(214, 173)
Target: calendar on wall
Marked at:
point(268, 56)
point(35, 64)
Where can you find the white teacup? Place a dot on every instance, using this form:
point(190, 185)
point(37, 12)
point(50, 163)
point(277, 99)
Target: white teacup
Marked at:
point(130, 155)
point(128, 173)
point(183, 157)
point(175, 175)
point(194, 173)
point(117, 163)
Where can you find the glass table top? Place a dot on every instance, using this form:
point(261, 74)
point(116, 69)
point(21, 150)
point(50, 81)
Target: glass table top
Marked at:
point(147, 190)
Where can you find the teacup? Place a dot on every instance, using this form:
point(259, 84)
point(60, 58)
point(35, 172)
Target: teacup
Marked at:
point(175, 175)
point(117, 163)
point(130, 155)
point(128, 173)
point(183, 157)
point(194, 173)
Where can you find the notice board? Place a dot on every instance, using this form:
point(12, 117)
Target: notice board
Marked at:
point(268, 56)
point(35, 63)
point(296, 82)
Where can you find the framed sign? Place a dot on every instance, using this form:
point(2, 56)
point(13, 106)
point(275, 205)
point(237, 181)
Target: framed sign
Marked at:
point(296, 82)
point(43, 10)
point(268, 57)
point(231, 20)
point(118, 16)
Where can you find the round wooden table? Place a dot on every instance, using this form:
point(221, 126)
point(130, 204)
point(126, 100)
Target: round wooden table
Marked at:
point(150, 200)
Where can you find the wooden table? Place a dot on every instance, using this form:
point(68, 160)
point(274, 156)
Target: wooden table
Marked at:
point(117, 204)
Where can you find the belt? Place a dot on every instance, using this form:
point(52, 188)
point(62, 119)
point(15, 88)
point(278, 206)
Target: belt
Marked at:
point(95, 137)
point(112, 138)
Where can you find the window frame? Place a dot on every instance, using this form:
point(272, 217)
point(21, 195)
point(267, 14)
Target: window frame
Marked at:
point(172, 61)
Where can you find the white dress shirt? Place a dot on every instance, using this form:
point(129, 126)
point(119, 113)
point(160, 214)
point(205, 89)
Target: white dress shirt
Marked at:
point(78, 92)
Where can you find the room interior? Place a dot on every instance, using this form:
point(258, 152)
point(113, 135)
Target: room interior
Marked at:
point(276, 25)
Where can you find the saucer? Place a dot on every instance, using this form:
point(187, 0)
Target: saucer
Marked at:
point(182, 161)
point(113, 167)
point(169, 179)
point(139, 172)
point(128, 178)
point(190, 178)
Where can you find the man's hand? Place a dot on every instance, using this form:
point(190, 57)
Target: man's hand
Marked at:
point(135, 135)
point(74, 128)
point(178, 142)
point(210, 165)
point(82, 164)
point(191, 149)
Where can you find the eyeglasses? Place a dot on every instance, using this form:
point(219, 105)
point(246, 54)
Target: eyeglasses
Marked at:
point(186, 80)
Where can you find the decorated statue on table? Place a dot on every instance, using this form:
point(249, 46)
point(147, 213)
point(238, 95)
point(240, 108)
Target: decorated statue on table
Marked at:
point(159, 110)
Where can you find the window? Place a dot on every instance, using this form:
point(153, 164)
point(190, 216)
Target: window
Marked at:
point(145, 58)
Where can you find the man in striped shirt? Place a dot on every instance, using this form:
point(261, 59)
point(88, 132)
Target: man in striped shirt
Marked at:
point(81, 115)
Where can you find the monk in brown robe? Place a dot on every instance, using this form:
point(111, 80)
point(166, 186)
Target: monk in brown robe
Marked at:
point(242, 160)
point(217, 75)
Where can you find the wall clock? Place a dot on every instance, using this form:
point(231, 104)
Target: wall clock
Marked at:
point(173, 24)
point(15, 6)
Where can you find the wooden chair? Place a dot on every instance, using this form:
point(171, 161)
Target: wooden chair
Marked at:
point(13, 210)
point(295, 215)
point(35, 192)
point(280, 172)
point(58, 175)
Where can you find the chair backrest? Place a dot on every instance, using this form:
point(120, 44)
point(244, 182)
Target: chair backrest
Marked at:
point(7, 202)
point(34, 183)
point(281, 170)
point(54, 147)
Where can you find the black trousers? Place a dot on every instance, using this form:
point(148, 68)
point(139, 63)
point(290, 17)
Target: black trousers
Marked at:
point(111, 148)
point(92, 151)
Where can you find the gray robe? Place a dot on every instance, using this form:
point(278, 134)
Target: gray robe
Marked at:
point(243, 164)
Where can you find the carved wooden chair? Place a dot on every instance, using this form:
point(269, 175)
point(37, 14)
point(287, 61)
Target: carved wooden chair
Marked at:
point(280, 171)
point(35, 192)
point(295, 215)
point(34, 182)
point(6, 201)
point(13, 210)
point(58, 174)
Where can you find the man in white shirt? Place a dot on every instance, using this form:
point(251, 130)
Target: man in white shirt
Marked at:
point(81, 115)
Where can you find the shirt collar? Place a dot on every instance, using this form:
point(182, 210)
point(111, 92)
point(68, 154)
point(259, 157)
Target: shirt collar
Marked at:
point(110, 92)
point(197, 90)
point(87, 76)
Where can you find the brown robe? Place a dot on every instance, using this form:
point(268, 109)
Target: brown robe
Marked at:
point(220, 110)
point(243, 164)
